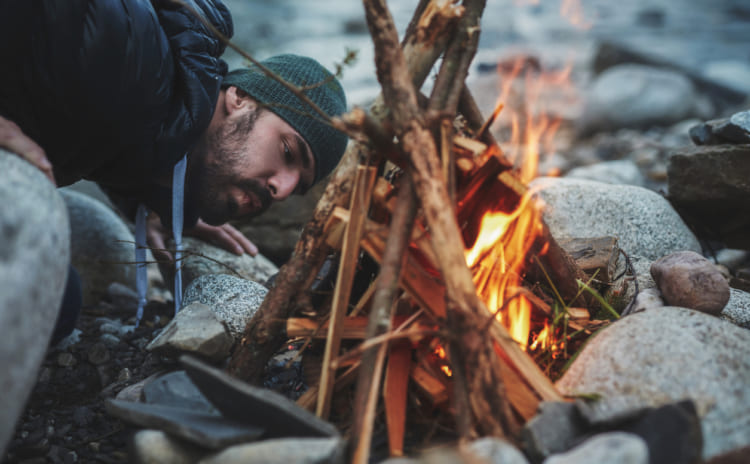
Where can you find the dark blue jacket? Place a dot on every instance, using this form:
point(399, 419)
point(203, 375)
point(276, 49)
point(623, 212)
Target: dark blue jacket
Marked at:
point(115, 91)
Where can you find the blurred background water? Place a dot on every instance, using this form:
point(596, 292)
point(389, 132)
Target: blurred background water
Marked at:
point(709, 36)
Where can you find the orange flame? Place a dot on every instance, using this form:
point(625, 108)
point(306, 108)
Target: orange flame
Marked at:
point(532, 127)
point(439, 351)
point(500, 250)
point(496, 259)
point(573, 12)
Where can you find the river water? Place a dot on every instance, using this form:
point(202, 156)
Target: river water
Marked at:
point(699, 34)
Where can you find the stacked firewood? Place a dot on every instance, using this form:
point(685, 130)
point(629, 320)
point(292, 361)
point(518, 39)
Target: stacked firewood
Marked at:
point(421, 321)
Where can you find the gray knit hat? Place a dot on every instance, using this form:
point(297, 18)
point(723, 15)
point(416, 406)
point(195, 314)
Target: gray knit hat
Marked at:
point(320, 86)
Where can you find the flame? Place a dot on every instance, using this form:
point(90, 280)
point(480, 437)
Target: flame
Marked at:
point(545, 340)
point(439, 351)
point(525, 89)
point(502, 245)
point(497, 258)
point(573, 12)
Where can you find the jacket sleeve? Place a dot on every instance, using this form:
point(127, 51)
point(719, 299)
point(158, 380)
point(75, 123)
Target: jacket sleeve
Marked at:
point(112, 88)
point(198, 69)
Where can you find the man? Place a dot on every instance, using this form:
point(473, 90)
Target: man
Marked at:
point(128, 93)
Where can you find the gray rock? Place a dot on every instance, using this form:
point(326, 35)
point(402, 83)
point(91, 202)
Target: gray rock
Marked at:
point(208, 430)
point(70, 340)
point(638, 96)
point(612, 448)
point(554, 429)
point(644, 222)
point(102, 246)
point(156, 447)
point(233, 300)
point(93, 190)
point(283, 451)
point(610, 172)
point(732, 258)
point(672, 433)
point(732, 73)
point(240, 401)
point(176, 389)
point(34, 261)
point(134, 392)
point(670, 354)
point(689, 280)
point(737, 310)
point(731, 130)
point(607, 411)
point(197, 330)
point(202, 258)
point(496, 451)
point(709, 185)
point(649, 298)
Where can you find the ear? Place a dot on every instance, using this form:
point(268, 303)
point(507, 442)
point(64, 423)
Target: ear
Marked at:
point(237, 100)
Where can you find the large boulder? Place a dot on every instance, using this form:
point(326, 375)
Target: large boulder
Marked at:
point(638, 96)
point(102, 245)
point(644, 223)
point(34, 261)
point(670, 354)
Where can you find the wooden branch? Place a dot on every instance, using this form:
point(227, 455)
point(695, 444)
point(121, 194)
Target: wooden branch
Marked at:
point(265, 331)
point(359, 206)
point(439, 213)
point(395, 389)
point(427, 290)
point(433, 388)
point(309, 399)
point(468, 107)
point(449, 84)
point(354, 328)
point(368, 384)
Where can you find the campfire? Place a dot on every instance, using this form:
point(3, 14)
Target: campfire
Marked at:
point(475, 305)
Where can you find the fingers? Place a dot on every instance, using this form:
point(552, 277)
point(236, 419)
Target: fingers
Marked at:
point(224, 236)
point(243, 242)
point(15, 141)
point(155, 236)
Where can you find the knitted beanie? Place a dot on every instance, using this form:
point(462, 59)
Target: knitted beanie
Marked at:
point(319, 85)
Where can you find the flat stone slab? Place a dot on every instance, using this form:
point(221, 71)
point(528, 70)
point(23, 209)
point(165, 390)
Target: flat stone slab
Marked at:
point(208, 430)
point(243, 402)
point(175, 389)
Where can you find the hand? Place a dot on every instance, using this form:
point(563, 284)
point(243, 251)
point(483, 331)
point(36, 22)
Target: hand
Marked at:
point(15, 141)
point(224, 236)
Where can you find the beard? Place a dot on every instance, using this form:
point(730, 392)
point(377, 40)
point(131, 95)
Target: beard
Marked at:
point(212, 171)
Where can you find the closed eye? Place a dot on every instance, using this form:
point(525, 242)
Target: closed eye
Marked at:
point(288, 155)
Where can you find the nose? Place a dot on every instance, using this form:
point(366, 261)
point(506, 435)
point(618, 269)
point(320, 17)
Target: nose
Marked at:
point(282, 183)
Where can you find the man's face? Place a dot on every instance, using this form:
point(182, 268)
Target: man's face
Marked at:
point(249, 161)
